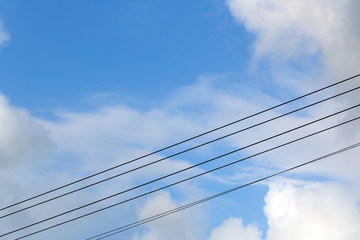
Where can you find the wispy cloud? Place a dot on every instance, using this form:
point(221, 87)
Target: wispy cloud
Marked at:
point(4, 35)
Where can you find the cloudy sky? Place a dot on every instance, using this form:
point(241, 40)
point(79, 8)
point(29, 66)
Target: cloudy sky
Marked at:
point(86, 85)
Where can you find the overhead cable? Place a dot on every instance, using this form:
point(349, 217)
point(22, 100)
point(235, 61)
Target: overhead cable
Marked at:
point(167, 186)
point(178, 153)
point(179, 143)
point(175, 210)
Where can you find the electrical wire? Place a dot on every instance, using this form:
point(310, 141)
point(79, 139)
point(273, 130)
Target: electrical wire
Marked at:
point(178, 153)
point(175, 210)
point(167, 186)
point(193, 166)
point(178, 143)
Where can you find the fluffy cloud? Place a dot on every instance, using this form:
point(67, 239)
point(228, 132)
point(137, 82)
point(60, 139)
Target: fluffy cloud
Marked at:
point(291, 28)
point(286, 30)
point(22, 138)
point(23, 142)
point(315, 211)
point(233, 228)
point(176, 226)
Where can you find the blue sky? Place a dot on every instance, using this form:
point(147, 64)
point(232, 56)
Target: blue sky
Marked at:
point(137, 50)
point(86, 85)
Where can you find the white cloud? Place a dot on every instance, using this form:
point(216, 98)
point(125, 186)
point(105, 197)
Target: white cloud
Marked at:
point(22, 138)
point(315, 212)
point(291, 28)
point(177, 226)
point(23, 143)
point(117, 124)
point(286, 30)
point(312, 211)
point(233, 228)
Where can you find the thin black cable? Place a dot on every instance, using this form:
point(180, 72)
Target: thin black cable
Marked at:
point(166, 213)
point(181, 152)
point(119, 203)
point(158, 189)
point(192, 166)
point(178, 143)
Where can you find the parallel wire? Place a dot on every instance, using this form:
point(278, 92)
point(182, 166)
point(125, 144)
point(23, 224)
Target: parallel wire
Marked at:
point(192, 166)
point(175, 210)
point(167, 186)
point(181, 152)
point(178, 143)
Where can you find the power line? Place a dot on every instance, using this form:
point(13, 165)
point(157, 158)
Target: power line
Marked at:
point(160, 215)
point(193, 166)
point(178, 143)
point(178, 153)
point(158, 189)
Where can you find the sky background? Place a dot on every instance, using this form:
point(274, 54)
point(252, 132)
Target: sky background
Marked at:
point(86, 85)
